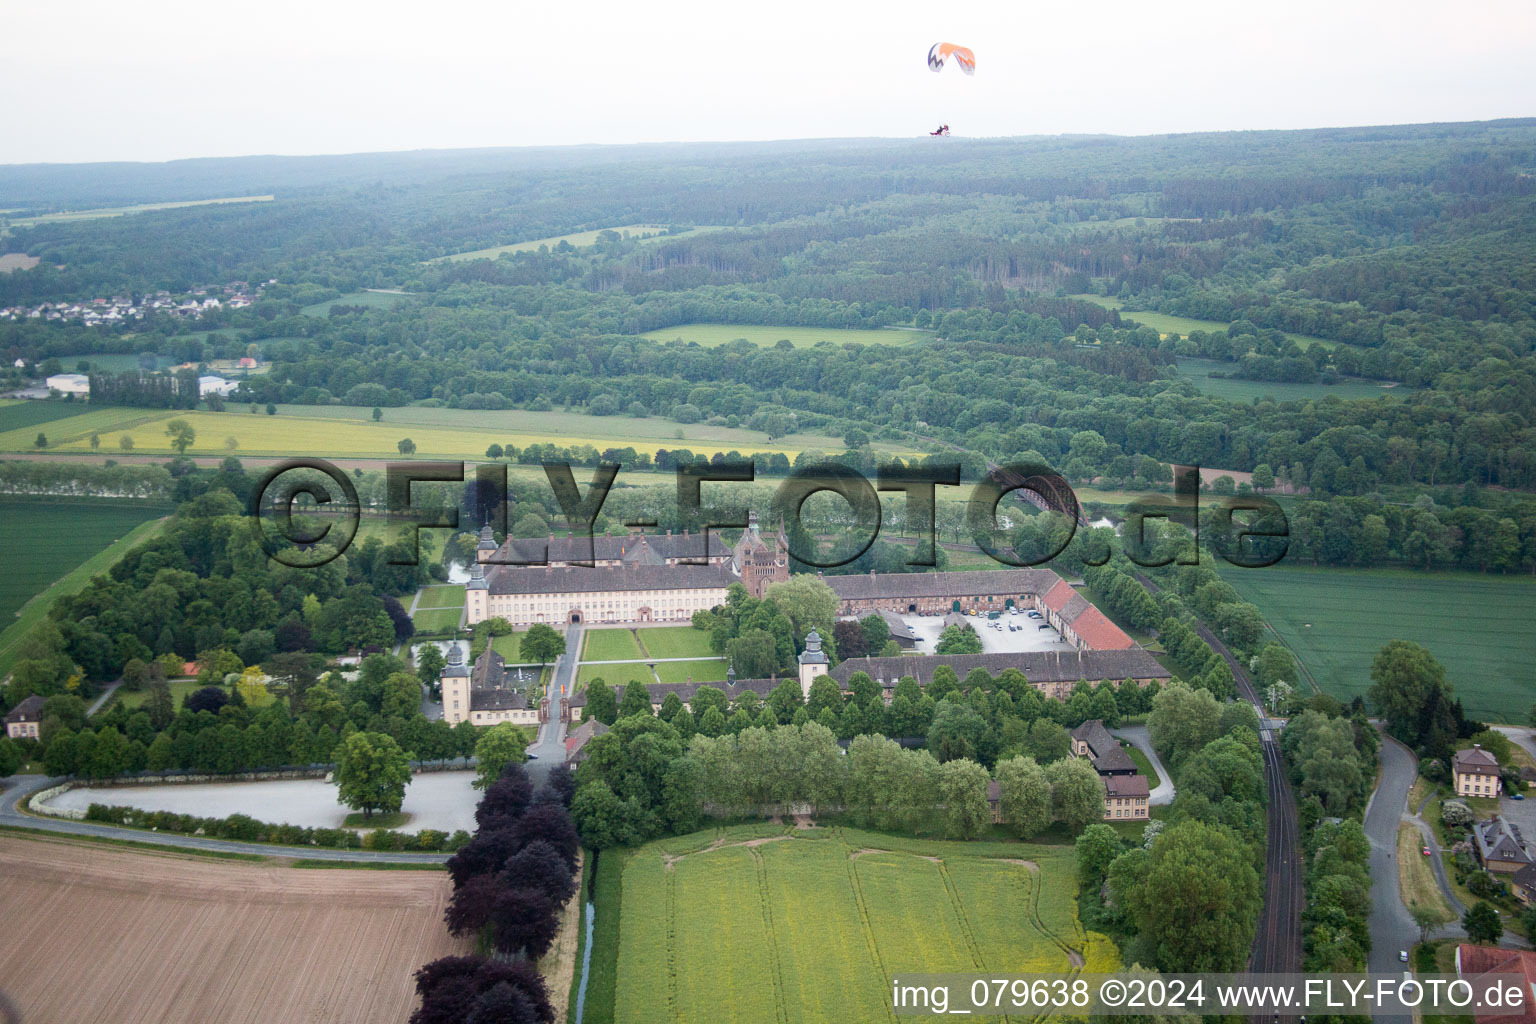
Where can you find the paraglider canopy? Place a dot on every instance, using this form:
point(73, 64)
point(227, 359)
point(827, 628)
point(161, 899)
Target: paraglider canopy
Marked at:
point(939, 53)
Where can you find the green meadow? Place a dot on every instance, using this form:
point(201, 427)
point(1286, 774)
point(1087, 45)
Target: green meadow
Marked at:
point(1234, 389)
point(1335, 620)
point(1165, 323)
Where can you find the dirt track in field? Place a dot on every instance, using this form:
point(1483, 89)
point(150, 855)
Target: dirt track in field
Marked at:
point(95, 934)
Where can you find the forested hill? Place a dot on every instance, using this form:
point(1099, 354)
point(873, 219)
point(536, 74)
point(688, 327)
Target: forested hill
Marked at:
point(1400, 262)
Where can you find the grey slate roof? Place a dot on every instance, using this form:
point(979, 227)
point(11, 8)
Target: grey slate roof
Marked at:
point(1108, 757)
point(1037, 666)
point(1001, 582)
point(506, 579)
point(29, 710)
point(487, 685)
point(635, 547)
point(1497, 839)
point(1475, 761)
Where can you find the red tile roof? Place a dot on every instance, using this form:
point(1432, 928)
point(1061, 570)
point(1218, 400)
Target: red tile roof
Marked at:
point(1474, 961)
point(1058, 595)
point(1094, 629)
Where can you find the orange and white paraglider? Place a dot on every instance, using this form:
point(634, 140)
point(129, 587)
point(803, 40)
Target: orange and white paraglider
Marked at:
point(940, 54)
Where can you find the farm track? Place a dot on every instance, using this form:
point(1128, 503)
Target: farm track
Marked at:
point(343, 943)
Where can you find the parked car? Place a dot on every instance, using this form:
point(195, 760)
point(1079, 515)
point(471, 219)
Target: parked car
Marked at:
point(1402, 956)
point(1044, 625)
point(1517, 796)
point(1425, 851)
point(1033, 614)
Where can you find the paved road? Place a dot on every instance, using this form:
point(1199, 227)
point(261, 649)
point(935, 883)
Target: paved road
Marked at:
point(1392, 929)
point(549, 749)
point(101, 702)
point(21, 786)
point(1138, 736)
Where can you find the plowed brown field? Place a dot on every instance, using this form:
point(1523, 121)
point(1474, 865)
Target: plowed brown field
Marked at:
point(89, 933)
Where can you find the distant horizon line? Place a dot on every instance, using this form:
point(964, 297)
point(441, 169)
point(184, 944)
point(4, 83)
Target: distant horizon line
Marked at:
point(804, 140)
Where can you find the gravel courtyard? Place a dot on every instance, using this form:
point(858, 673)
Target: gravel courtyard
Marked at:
point(437, 800)
point(1027, 637)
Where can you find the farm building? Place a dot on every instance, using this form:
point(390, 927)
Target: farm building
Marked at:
point(69, 383)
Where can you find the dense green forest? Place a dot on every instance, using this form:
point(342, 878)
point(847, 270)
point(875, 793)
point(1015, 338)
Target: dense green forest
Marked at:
point(1395, 255)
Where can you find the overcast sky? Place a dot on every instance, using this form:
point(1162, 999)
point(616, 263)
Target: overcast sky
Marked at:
point(163, 79)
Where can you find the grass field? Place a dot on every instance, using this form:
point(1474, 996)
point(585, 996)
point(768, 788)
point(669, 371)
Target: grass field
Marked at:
point(437, 620)
point(1416, 880)
point(1335, 620)
point(74, 431)
point(329, 437)
point(373, 300)
point(119, 211)
point(1234, 389)
point(47, 538)
point(675, 642)
point(180, 689)
point(578, 239)
point(18, 414)
point(614, 675)
point(571, 427)
point(442, 595)
point(1144, 766)
point(713, 335)
point(507, 646)
point(13, 261)
point(1165, 323)
point(610, 645)
point(709, 671)
point(759, 923)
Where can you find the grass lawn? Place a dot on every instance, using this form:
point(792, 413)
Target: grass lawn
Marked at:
point(760, 923)
point(437, 620)
point(607, 896)
point(19, 415)
point(577, 239)
point(507, 646)
point(1416, 880)
point(180, 689)
point(1335, 620)
point(675, 642)
point(1234, 389)
point(442, 595)
point(614, 675)
point(40, 569)
point(711, 671)
point(373, 300)
point(1165, 323)
point(1143, 765)
point(611, 644)
point(311, 432)
point(713, 335)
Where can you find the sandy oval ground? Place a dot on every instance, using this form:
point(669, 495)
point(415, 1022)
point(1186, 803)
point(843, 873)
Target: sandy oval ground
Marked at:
point(91, 933)
point(438, 800)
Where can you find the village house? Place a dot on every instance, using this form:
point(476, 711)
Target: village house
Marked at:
point(482, 694)
point(23, 721)
point(1500, 846)
point(1476, 772)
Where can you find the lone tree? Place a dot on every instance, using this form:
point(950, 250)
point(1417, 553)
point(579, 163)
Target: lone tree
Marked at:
point(371, 773)
point(499, 746)
point(42, 440)
point(406, 446)
point(1482, 923)
point(542, 644)
point(181, 434)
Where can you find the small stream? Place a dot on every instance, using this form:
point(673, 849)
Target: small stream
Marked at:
point(590, 913)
